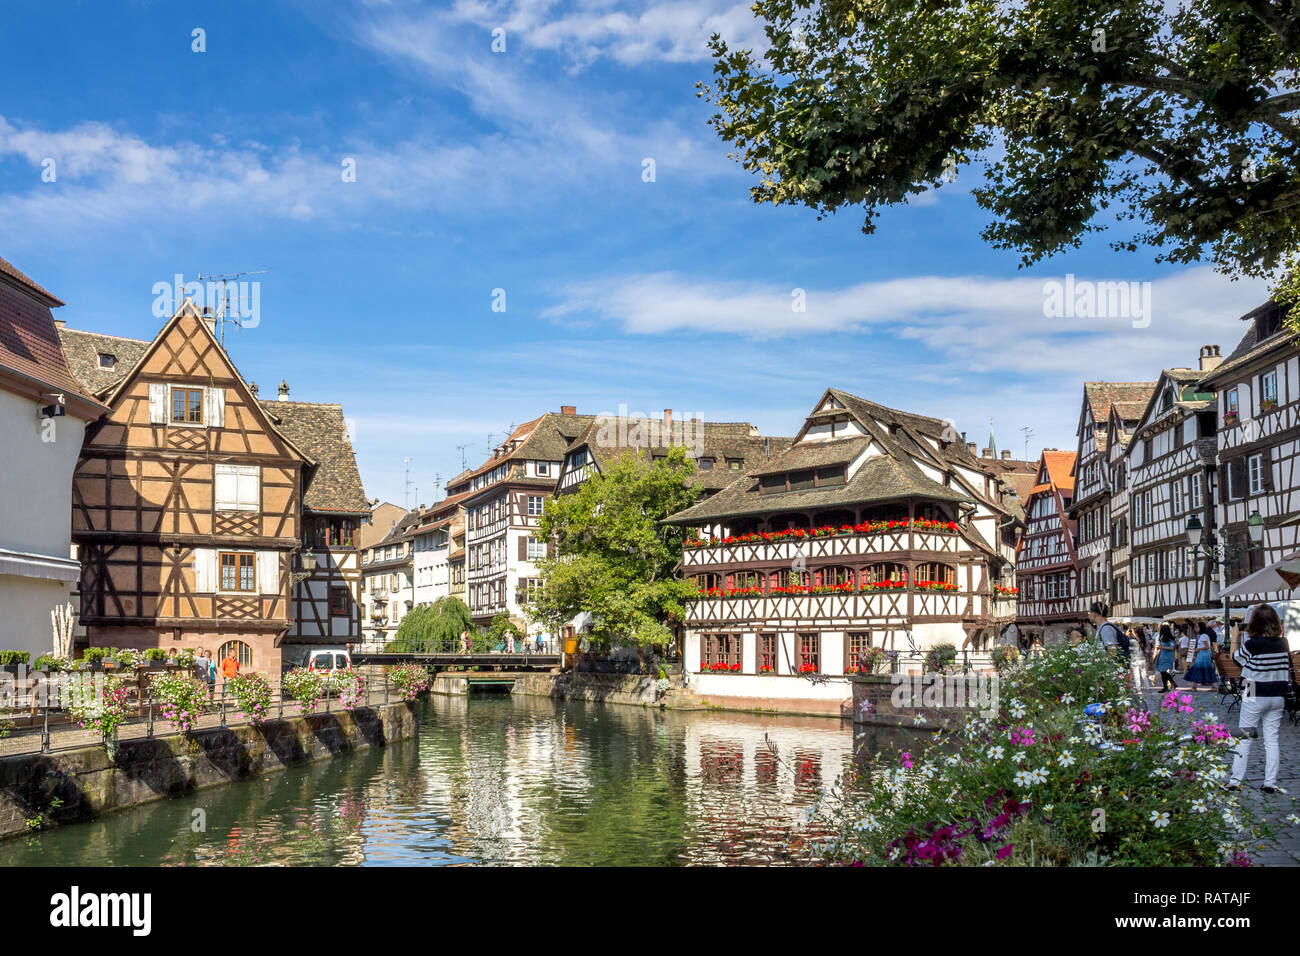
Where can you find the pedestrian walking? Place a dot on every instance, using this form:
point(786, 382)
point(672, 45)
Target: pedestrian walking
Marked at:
point(1182, 649)
point(1202, 670)
point(207, 668)
point(1266, 675)
point(1139, 660)
point(1166, 654)
point(230, 665)
point(1109, 634)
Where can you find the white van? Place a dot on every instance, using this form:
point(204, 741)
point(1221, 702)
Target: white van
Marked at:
point(329, 659)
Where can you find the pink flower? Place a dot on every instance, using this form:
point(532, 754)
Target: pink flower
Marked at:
point(1005, 851)
point(906, 759)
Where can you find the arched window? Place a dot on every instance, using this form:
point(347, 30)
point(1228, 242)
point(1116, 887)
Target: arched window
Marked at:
point(885, 573)
point(828, 577)
point(706, 582)
point(243, 653)
point(937, 573)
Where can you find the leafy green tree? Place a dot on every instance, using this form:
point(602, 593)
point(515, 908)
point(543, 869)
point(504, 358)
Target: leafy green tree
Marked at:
point(436, 627)
point(613, 558)
point(1183, 118)
point(502, 626)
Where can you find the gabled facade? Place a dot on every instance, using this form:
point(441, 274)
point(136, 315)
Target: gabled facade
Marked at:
point(186, 505)
point(1258, 441)
point(1171, 467)
point(1095, 483)
point(1123, 418)
point(435, 539)
point(193, 503)
point(503, 499)
point(911, 560)
point(44, 413)
point(1046, 560)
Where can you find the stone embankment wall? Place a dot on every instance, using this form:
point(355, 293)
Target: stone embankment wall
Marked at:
point(87, 782)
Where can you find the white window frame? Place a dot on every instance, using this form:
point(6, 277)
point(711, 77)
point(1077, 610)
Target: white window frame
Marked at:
point(533, 512)
point(1265, 387)
point(1255, 474)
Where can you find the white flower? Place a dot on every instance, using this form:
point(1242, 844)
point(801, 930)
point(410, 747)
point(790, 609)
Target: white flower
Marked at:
point(1074, 740)
point(1018, 756)
point(1160, 819)
point(1096, 793)
point(918, 720)
point(1017, 709)
point(1067, 699)
point(1162, 772)
point(1023, 778)
point(1066, 759)
point(1292, 818)
point(996, 753)
point(1200, 806)
point(1039, 775)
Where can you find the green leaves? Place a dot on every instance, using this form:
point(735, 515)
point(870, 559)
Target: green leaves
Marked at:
point(612, 557)
point(1164, 113)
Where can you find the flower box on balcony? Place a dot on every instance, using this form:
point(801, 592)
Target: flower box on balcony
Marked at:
point(720, 668)
point(1230, 418)
point(828, 531)
point(1268, 404)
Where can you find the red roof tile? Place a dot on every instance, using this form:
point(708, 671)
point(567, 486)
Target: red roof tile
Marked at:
point(29, 342)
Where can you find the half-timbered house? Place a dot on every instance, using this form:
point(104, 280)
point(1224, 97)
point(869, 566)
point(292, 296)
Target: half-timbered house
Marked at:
point(1095, 480)
point(44, 412)
point(388, 580)
point(1171, 469)
point(503, 499)
point(1046, 561)
point(1258, 396)
point(327, 602)
point(875, 527)
point(1123, 418)
point(188, 502)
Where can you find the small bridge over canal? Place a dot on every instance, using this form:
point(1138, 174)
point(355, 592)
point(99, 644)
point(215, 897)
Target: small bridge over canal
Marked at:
point(489, 662)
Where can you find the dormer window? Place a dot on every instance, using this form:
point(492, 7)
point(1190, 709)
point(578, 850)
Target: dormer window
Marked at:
point(705, 464)
point(543, 468)
point(1167, 400)
point(107, 360)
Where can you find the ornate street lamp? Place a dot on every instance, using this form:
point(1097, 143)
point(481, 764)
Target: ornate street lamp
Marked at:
point(307, 560)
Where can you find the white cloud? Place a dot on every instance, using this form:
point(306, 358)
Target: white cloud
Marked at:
point(971, 323)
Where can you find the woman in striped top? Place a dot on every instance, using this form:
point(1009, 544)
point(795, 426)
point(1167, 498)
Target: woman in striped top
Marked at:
point(1265, 660)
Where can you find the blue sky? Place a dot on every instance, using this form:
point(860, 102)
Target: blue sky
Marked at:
point(520, 171)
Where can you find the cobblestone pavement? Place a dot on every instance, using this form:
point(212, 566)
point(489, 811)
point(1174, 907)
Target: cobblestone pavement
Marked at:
point(1284, 849)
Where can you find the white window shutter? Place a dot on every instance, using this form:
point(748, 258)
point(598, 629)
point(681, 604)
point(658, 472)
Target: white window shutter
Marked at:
point(268, 572)
point(250, 498)
point(157, 403)
point(215, 413)
point(205, 570)
point(226, 490)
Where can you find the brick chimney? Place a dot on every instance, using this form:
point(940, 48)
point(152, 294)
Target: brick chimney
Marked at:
point(284, 391)
point(209, 319)
point(668, 418)
point(970, 447)
point(1210, 358)
point(252, 387)
point(568, 409)
point(986, 453)
point(1006, 454)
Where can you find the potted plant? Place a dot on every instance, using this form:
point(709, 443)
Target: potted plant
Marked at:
point(155, 658)
point(10, 661)
point(94, 657)
point(50, 664)
point(127, 659)
point(941, 658)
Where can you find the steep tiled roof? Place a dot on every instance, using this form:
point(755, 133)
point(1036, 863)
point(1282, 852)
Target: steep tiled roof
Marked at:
point(29, 343)
point(1060, 471)
point(82, 350)
point(901, 438)
point(543, 439)
point(333, 484)
point(1130, 398)
point(720, 441)
point(9, 275)
point(880, 479)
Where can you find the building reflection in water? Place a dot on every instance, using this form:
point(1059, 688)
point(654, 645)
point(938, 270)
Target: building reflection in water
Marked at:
point(510, 780)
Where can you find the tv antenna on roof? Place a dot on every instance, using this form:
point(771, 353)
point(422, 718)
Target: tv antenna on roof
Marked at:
point(220, 313)
point(461, 449)
point(1029, 433)
point(406, 485)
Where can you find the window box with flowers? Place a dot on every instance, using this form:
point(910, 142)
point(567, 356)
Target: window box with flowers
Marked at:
point(721, 667)
point(935, 586)
point(1268, 404)
point(766, 669)
point(1230, 418)
point(1002, 589)
point(828, 531)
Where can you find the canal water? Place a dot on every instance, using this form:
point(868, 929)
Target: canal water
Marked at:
point(497, 779)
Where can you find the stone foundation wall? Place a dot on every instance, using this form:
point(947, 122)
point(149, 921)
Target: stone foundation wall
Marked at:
point(88, 783)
